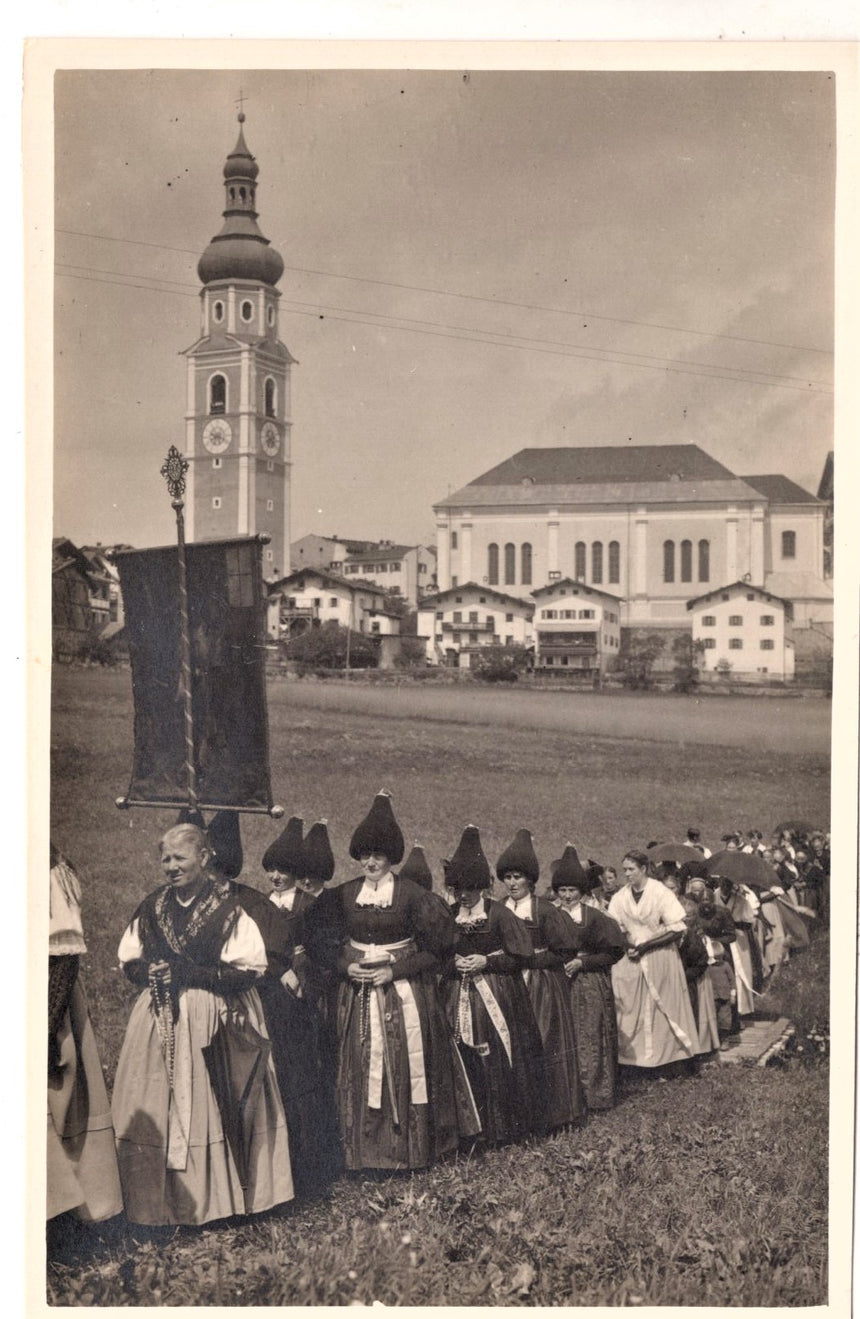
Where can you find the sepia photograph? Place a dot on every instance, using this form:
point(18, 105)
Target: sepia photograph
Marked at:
point(435, 880)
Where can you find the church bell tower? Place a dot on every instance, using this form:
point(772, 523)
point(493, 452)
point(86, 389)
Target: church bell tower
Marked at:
point(237, 421)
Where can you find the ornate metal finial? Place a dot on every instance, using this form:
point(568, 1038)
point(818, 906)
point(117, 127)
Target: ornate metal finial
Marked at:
point(173, 471)
point(241, 104)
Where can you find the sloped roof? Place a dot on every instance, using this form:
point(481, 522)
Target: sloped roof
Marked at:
point(730, 489)
point(780, 490)
point(606, 465)
point(825, 485)
point(430, 601)
point(579, 586)
point(380, 552)
point(327, 579)
point(746, 587)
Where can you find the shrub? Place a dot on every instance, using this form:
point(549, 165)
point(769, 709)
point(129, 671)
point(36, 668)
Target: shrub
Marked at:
point(640, 649)
point(326, 648)
point(500, 663)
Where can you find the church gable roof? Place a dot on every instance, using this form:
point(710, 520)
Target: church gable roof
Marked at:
point(780, 490)
point(605, 465)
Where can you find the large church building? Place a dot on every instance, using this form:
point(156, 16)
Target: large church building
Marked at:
point(655, 525)
point(237, 421)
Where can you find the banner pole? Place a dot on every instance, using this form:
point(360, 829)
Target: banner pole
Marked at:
point(173, 471)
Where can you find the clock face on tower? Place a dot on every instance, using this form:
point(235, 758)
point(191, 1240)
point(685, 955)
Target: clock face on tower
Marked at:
point(270, 439)
point(217, 435)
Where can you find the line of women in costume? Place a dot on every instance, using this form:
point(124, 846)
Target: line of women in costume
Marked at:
point(374, 1025)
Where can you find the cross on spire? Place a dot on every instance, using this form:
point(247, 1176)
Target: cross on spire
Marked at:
point(241, 104)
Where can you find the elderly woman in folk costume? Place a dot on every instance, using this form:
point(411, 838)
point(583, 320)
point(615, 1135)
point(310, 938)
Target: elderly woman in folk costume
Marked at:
point(82, 1169)
point(548, 929)
point(401, 1089)
point(291, 1018)
point(652, 1006)
point(198, 957)
point(487, 1001)
point(595, 945)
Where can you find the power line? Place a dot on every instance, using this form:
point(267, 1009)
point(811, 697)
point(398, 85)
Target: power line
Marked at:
point(465, 334)
point(475, 297)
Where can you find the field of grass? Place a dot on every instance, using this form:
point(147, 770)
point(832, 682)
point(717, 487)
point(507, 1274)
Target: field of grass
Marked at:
point(691, 1192)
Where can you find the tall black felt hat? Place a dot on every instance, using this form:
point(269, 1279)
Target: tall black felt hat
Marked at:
point(415, 867)
point(318, 861)
point(520, 856)
point(468, 868)
point(226, 843)
point(378, 832)
point(286, 854)
point(567, 872)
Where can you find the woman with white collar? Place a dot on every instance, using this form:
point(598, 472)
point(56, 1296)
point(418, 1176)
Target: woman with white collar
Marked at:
point(518, 870)
point(596, 944)
point(652, 1005)
point(402, 1093)
point(487, 1001)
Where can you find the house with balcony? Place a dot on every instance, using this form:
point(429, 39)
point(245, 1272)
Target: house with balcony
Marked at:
point(312, 597)
point(744, 631)
point(577, 628)
point(459, 622)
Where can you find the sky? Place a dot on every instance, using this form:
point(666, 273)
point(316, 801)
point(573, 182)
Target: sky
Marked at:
point(476, 262)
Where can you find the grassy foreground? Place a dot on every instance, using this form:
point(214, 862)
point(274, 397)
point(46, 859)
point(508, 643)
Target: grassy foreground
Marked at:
point(694, 1192)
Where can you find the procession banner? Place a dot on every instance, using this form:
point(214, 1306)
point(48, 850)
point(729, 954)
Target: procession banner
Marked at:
point(226, 618)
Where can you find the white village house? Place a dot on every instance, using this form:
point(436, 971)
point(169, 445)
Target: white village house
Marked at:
point(745, 631)
point(458, 622)
point(576, 627)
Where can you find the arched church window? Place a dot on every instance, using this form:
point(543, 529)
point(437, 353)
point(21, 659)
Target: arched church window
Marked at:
point(269, 404)
point(526, 564)
point(597, 562)
point(704, 560)
point(614, 562)
point(493, 564)
point(668, 561)
point(218, 394)
point(510, 564)
point(247, 310)
point(218, 311)
point(686, 560)
point(579, 560)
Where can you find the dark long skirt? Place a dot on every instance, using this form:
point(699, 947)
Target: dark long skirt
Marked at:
point(306, 1090)
point(509, 1092)
point(593, 1008)
point(424, 1131)
point(550, 999)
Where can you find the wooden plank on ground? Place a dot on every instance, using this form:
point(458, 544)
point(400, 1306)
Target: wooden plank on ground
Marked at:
point(759, 1041)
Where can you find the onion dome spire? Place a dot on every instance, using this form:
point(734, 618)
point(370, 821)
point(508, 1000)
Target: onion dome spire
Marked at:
point(240, 251)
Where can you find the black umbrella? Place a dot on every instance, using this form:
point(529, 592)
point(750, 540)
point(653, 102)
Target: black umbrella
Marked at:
point(794, 827)
point(742, 868)
point(677, 852)
point(236, 1059)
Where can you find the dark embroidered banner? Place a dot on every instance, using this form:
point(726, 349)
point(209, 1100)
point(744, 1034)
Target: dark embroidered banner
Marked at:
point(228, 689)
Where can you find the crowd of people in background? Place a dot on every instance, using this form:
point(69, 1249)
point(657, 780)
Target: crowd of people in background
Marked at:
point(281, 1040)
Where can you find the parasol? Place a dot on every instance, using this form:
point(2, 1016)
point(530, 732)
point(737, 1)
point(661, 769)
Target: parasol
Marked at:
point(794, 827)
point(742, 868)
point(236, 1060)
point(677, 852)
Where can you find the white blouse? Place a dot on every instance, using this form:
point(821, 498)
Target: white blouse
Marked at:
point(244, 948)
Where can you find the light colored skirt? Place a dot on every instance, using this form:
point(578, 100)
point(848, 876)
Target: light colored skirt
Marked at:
point(175, 1163)
point(653, 1011)
point(82, 1170)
